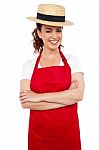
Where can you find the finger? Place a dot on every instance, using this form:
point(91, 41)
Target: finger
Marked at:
point(24, 91)
point(26, 100)
point(23, 98)
point(74, 85)
point(23, 94)
point(23, 101)
point(74, 81)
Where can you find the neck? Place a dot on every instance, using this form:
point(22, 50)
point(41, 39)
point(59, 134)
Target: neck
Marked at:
point(49, 53)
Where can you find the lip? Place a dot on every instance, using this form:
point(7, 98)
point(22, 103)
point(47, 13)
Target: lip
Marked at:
point(54, 41)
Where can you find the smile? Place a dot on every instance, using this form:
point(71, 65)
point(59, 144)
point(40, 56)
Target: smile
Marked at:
point(54, 41)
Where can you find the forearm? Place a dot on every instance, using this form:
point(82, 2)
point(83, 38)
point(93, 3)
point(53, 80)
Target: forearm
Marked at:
point(67, 97)
point(51, 100)
point(41, 105)
point(62, 98)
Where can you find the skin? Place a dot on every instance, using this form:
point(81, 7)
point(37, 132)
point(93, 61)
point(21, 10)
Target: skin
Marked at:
point(52, 37)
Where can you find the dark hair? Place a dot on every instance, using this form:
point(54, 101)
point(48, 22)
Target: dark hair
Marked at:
point(38, 42)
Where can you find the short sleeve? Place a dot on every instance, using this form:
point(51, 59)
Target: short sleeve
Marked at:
point(74, 64)
point(27, 69)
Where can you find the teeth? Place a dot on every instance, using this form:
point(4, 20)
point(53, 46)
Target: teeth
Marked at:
point(54, 42)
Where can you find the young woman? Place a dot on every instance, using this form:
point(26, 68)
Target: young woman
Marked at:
point(51, 85)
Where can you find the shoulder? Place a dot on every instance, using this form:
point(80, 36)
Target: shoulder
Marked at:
point(28, 67)
point(69, 57)
point(73, 62)
point(30, 63)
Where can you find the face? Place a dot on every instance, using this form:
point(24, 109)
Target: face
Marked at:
point(51, 36)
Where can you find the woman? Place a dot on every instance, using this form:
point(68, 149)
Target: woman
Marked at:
point(51, 85)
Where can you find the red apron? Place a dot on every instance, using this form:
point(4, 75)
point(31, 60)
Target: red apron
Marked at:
point(55, 129)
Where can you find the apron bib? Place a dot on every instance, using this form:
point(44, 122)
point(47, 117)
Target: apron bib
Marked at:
point(55, 129)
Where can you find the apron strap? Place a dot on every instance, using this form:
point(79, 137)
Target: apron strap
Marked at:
point(62, 56)
point(37, 61)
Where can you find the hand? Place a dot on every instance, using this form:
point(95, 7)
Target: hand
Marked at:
point(74, 84)
point(29, 96)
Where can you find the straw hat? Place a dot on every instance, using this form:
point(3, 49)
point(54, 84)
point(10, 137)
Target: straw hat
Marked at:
point(51, 14)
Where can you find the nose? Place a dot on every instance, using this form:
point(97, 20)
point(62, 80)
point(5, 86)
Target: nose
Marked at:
point(54, 35)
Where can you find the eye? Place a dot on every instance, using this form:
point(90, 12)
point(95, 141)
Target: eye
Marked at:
point(59, 30)
point(47, 31)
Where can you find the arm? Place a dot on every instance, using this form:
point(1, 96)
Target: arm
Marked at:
point(25, 85)
point(56, 99)
point(70, 96)
point(41, 105)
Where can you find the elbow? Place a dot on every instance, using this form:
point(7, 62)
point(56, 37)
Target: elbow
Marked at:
point(23, 105)
point(80, 96)
point(80, 99)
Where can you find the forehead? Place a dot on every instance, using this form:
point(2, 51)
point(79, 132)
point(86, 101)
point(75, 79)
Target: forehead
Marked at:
point(50, 27)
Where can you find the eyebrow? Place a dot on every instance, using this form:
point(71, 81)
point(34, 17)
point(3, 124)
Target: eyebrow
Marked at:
point(48, 28)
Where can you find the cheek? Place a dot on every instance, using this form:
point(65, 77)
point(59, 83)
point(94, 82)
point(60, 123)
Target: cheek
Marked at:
point(45, 37)
point(61, 36)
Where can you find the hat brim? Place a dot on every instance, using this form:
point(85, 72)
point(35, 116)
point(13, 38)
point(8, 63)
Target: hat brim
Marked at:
point(66, 23)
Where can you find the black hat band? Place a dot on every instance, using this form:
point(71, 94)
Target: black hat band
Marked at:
point(50, 18)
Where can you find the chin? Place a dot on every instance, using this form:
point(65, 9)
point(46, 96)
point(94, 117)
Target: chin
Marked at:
point(54, 47)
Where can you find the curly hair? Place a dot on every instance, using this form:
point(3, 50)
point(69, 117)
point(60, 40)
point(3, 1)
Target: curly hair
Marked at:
point(38, 42)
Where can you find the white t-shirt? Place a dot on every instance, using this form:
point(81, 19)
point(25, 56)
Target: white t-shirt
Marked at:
point(28, 66)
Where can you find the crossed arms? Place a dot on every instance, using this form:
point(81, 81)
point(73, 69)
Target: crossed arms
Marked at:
point(45, 101)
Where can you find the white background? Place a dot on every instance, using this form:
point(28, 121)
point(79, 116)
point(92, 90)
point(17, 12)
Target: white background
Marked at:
point(82, 40)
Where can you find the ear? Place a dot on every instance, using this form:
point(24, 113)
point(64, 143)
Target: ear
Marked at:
point(39, 33)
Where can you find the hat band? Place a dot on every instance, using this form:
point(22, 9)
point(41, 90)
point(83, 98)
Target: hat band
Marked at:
point(50, 18)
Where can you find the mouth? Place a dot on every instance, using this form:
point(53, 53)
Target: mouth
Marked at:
point(54, 41)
